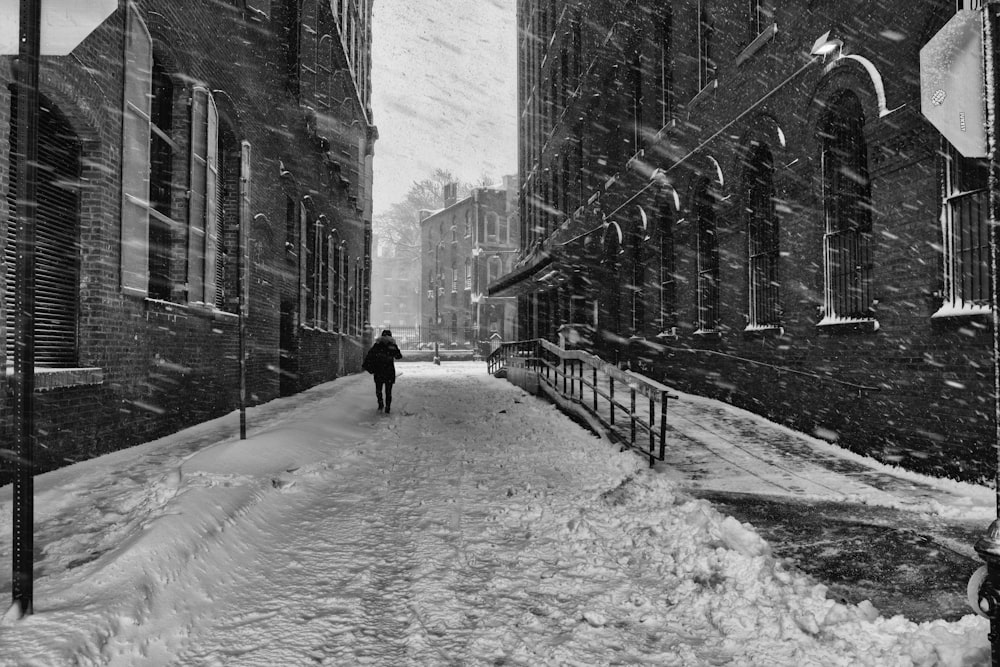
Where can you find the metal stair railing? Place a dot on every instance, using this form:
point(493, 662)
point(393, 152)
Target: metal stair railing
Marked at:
point(590, 383)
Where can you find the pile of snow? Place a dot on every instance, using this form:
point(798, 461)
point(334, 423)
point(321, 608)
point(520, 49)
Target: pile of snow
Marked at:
point(476, 525)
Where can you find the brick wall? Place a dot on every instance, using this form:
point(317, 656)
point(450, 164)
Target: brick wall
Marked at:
point(165, 365)
point(916, 390)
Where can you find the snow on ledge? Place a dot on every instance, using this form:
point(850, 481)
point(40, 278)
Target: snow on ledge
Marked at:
point(836, 320)
point(958, 308)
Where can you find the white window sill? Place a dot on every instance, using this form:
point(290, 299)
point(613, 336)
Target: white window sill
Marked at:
point(707, 333)
point(766, 35)
point(834, 323)
point(763, 330)
point(704, 93)
point(958, 309)
point(47, 379)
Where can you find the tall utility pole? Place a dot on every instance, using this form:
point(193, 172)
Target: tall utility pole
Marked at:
point(26, 160)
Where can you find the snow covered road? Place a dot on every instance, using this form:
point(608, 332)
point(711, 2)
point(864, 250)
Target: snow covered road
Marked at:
point(474, 526)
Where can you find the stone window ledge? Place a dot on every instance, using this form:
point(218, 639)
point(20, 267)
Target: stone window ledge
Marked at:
point(766, 35)
point(47, 379)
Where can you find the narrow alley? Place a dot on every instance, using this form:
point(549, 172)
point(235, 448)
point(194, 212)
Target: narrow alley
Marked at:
point(474, 525)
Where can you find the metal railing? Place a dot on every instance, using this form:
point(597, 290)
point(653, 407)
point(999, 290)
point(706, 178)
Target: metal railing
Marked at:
point(599, 388)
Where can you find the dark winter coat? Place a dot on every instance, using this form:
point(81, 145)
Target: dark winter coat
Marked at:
point(379, 360)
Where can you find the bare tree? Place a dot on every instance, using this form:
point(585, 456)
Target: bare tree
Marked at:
point(400, 225)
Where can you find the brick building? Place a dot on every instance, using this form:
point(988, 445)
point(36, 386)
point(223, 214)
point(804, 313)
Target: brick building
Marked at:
point(176, 140)
point(744, 200)
point(395, 287)
point(468, 244)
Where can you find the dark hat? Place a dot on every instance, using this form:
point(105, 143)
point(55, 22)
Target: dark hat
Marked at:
point(386, 332)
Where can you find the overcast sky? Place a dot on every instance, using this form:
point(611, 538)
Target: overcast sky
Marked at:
point(444, 91)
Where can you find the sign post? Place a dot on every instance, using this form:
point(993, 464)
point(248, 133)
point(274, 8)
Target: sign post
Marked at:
point(30, 29)
point(26, 159)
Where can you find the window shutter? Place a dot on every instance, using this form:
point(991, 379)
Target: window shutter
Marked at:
point(57, 264)
point(212, 195)
point(244, 225)
point(197, 184)
point(135, 155)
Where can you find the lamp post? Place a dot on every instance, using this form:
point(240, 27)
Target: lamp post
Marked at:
point(437, 294)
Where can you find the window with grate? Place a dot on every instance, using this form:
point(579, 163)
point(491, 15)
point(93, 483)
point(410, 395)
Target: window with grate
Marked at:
point(291, 30)
point(635, 83)
point(638, 286)
point(760, 14)
point(708, 259)
point(57, 263)
point(666, 292)
point(611, 249)
point(666, 73)
point(847, 254)
point(706, 48)
point(763, 308)
point(965, 236)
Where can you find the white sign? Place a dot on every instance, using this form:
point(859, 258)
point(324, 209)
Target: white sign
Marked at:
point(953, 82)
point(65, 23)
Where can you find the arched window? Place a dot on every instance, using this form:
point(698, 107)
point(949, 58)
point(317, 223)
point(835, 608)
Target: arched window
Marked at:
point(324, 72)
point(763, 307)
point(708, 258)
point(611, 259)
point(57, 237)
point(847, 253)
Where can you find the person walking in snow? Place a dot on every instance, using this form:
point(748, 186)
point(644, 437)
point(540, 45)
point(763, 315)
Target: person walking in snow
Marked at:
point(380, 362)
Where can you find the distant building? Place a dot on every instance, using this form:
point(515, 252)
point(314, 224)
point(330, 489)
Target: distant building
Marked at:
point(395, 287)
point(465, 246)
point(191, 153)
point(711, 199)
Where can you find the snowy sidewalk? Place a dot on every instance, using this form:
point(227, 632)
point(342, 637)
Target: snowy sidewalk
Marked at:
point(475, 525)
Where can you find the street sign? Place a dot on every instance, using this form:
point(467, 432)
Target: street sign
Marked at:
point(65, 23)
point(953, 82)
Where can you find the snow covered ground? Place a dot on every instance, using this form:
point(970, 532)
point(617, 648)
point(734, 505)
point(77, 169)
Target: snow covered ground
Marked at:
point(474, 526)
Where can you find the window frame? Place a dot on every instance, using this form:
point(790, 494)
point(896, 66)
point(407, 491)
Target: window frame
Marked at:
point(763, 241)
point(847, 204)
point(959, 241)
point(708, 265)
